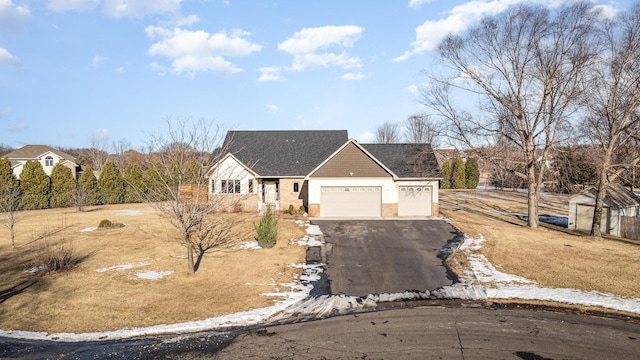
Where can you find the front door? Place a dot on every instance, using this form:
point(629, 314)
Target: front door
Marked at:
point(270, 194)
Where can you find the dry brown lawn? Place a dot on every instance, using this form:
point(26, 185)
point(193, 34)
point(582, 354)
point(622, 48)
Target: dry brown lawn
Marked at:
point(553, 258)
point(86, 300)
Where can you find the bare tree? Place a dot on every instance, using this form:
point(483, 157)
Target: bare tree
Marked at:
point(387, 133)
point(612, 101)
point(423, 129)
point(97, 154)
point(180, 159)
point(526, 66)
point(119, 149)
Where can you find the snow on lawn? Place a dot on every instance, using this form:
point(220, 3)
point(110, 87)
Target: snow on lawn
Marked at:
point(92, 228)
point(508, 286)
point(153, 275)
point(128, 212)
point(250, 245)
point(123, 267)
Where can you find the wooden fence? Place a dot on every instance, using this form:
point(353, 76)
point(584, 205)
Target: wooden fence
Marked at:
point(630, 227)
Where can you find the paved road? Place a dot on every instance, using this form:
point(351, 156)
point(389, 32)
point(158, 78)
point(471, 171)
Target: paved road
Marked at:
point(385, 256)
point(418, 333)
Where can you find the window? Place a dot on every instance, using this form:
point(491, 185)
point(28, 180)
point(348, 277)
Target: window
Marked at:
point(296, 187)
point(250, 186)
point(48, 161)
point(230, 187)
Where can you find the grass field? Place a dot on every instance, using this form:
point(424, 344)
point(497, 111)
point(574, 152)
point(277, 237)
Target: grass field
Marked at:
point(104, 290)
point(553, 258)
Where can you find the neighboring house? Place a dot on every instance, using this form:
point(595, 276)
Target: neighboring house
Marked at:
point(46, 155)
point(619, 203)
point(327, 173)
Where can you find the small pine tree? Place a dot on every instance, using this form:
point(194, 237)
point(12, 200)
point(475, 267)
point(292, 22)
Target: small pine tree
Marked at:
point(472, 173)
point(62, 186)
point(458, 174)
point(267, 230)
point(87, 190)
point(156, 182)
point(134, 185)
point(445, 183)
point(10, 198)
point(111, 184)
point(36, 186)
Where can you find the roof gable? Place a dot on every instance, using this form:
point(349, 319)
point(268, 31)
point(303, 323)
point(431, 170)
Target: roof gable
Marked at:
point(616, 196)
point(351, 160)
point(283, 153)
point(33, 152)
point(407, 160)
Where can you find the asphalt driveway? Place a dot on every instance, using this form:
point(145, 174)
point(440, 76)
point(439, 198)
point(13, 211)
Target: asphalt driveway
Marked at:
point(385, 256)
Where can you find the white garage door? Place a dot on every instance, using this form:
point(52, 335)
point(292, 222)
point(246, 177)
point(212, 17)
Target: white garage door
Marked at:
point(414, 201)
point(351, 201)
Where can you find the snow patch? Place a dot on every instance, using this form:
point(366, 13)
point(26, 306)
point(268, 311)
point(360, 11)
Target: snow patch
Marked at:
point(153, 275)
point(123, 267)
point(92, 228)
point(128, 212)
point(250, 245)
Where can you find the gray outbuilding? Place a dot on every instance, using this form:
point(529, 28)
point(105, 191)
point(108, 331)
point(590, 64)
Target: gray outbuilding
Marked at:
point(621, 209)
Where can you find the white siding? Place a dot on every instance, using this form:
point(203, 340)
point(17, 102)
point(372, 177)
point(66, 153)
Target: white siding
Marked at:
point(389, 191)
point(231, 169)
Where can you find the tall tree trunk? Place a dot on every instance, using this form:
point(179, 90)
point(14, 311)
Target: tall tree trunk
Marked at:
point(532, 199)
point(603, 185)
point(190, 264)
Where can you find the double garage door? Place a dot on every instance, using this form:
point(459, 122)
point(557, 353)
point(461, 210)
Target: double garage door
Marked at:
point(351, 201)
point(366, 201)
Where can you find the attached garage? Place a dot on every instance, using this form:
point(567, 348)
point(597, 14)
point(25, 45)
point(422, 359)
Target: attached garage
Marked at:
point(414, 201)
point(350, 201)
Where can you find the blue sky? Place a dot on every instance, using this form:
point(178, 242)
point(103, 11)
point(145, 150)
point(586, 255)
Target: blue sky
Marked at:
point(71, 70)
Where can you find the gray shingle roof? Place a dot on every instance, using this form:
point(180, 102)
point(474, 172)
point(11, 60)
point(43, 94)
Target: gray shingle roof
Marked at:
point(34, 151)
point(283, 153)
point(407, 160)
point(616, 196)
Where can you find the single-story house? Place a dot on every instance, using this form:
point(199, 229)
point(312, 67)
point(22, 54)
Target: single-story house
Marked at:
point(327, 173)
point(619, 202)
point(46, 155)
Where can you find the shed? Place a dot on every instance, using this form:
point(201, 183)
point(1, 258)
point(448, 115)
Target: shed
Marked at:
point(619, 203)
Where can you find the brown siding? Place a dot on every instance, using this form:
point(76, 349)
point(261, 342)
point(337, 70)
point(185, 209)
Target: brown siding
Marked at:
point(351, 162)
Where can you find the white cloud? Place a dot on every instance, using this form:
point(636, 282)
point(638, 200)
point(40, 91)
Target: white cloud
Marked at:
point(270, 73)
point(366, 137)
point(306, 46)
point(195, 51)
point(97, 60)
point(353, 76)
point(13, 17)
point(7, 58)
point(430, 33)
point(272, 108)
point(139, 8)
point(606, 11)
point(119, 70)
point(72, 5)
point(412, 90)
point(4, 111)
point(418, 3)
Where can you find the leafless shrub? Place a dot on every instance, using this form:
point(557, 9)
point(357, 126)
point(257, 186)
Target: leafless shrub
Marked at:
point(52, 257)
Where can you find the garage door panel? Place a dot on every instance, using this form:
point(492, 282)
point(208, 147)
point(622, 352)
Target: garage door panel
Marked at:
point(351, 201)
point(414, 201)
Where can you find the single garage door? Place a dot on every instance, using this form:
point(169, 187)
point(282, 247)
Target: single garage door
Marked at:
point(351, 201)
point(584, 217)
point(414, 201)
